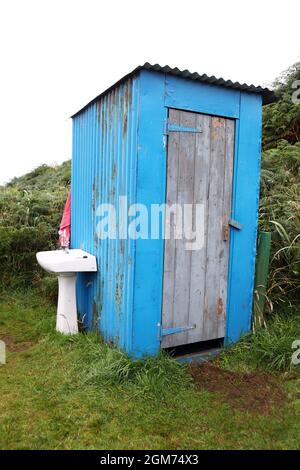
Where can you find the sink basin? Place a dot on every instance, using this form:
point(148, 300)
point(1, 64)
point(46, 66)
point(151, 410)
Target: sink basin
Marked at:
point(66, 261)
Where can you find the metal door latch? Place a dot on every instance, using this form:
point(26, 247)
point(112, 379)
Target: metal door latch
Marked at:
point(234, 224)
point(173, 331)
point(178, 128)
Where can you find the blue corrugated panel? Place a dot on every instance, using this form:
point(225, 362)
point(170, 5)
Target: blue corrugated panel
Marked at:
point(104, 168)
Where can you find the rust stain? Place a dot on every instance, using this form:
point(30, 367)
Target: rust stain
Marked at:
point(100, 289)
point(103, 124)
point(126, 104)
point(225, 233)
point(220, 306)
point(225, 228)
point(119, 290)
point(110, 105)
point(125, 120)
point(128, 92)
point(112, 187)
point(94, 322)
point(95, 196)
point(114, 171)
point(97, 306)
point(218, 124)
point(95, 199)
point(98, 110)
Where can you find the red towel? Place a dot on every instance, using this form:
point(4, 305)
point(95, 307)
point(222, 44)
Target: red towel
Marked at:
point(65, 225)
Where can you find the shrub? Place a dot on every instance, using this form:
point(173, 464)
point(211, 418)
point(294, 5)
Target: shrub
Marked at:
point(48, 287)
point(18, 247)
point(31, 208)
point(280, 213)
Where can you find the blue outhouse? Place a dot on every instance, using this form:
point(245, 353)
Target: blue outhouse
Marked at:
point(165, 191)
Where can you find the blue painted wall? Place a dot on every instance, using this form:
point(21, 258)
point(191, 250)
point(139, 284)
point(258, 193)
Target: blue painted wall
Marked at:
point(119, 148)
point(104, 167)
point(151, 189)
point(245, 203)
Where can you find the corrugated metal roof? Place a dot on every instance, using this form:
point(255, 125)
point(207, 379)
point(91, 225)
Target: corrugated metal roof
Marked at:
point(267, 94)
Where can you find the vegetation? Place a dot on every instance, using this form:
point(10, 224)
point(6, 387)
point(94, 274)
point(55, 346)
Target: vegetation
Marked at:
point(280, 191)
point(268, 349)
point(31, 207)
point(280, 214)
point(61, 392)
point(281, 120)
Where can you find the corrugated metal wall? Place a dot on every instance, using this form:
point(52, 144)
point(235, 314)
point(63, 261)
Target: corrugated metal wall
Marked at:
point(104, 167)
point(119, 149)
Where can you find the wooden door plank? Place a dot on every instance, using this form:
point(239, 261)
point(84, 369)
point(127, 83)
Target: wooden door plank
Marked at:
point(185, 186)
point(227, 197)
point(198, 258)
point(169, 252)
point(214, 234)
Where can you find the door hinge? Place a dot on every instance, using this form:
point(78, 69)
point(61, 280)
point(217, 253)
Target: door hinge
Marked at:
point(235, 224)
point(225, 232)
point(173, 331)
point(177, 128)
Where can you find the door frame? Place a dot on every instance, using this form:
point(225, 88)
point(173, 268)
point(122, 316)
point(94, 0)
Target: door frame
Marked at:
point(182, 329)
point(159, 91)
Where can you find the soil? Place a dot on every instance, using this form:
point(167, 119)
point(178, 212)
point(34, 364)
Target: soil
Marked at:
point(253, 392)
point(12, 344)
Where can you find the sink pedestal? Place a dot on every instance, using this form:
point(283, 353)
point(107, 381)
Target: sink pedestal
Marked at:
point(66, 321)
point(66, 263)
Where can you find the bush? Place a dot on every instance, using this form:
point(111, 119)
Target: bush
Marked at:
point(281, 120)
point(48, 288)
point(280, 189)
point(18, 247)
point(280, 214)
point(31, 208)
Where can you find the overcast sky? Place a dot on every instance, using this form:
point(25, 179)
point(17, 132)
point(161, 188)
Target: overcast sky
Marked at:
point(57, 55)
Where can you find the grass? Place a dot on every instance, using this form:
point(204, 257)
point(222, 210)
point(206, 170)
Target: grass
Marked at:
point(62, 392)
point(270, 348)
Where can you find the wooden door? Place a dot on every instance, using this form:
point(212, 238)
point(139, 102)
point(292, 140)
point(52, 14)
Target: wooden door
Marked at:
point(199, 171)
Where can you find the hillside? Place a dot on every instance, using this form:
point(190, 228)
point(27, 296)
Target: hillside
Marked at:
point(31, 207)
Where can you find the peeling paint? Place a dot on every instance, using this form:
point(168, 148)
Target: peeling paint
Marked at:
point(105, 152)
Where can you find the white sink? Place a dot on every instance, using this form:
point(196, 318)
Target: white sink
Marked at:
point(66, 263)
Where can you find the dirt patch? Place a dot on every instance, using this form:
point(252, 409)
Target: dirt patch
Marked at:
point(13, 345)
point(255, 392)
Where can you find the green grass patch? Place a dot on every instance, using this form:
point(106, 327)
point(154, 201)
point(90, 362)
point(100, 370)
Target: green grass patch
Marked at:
point(269, 349)
point(61, 392)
